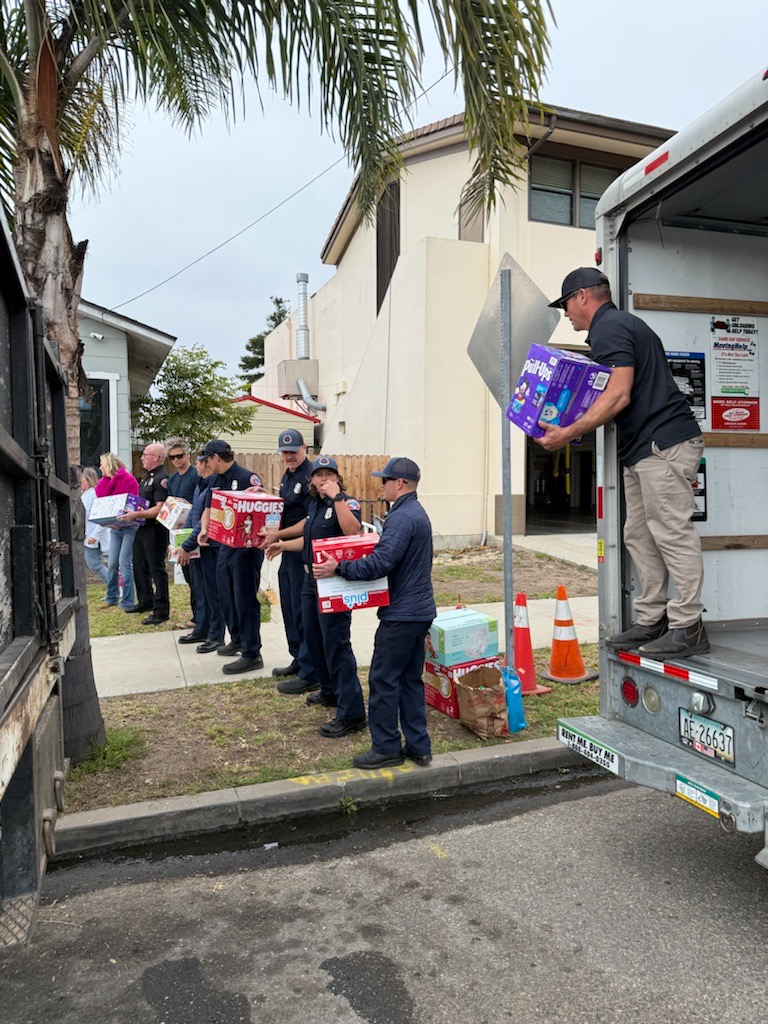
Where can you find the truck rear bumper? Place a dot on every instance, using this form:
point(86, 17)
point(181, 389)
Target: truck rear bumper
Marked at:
point(738, 804)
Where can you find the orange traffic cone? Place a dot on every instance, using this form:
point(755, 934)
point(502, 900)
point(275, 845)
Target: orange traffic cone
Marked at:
point(566, 664)
point(523, 649)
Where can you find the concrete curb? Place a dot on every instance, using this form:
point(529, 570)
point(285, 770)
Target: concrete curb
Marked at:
point(306, 796)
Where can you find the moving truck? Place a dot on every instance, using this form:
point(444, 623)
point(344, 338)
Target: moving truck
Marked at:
point(683, 238)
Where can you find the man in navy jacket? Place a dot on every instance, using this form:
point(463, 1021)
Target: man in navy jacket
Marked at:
point(404, 554)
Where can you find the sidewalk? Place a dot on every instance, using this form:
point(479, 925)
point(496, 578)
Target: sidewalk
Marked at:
point(117, 660)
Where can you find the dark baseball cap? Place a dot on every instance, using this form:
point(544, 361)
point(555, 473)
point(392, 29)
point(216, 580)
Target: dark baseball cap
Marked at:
point(201, 457)
point(216, 447)
point(584, 277)
point(324, 462)
point(290, 441)
point(400, 469)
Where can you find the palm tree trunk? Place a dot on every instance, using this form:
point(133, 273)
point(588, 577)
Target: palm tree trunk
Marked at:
point(53, 268)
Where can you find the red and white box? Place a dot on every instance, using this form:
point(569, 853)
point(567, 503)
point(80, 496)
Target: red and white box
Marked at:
point(237, 517)
point(440, 682)
point(338, 595)
point(173, 513)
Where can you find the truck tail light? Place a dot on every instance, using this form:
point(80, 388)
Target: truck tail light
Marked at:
point(651, 700)
point(629, 692)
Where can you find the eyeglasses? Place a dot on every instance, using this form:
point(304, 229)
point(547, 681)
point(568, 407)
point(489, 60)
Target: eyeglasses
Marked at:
point(175, 457)
point(568, 298)
point(388, 479)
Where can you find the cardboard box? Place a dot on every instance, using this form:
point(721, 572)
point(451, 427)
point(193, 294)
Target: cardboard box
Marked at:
point(440, 682)
point(237, 517)
point(462, 635)
point(174, 512)
point(338, 595)
point(106, 511)
point(556, 387)
point(175, 539)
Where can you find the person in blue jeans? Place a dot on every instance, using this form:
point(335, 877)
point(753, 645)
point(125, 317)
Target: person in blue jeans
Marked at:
point(117, 480)
point(95, 535)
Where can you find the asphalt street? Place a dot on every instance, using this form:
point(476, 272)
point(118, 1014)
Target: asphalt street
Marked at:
point(598, 903)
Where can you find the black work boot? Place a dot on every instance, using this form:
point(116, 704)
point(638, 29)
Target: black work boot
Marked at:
point(637, 634)
point(681, 642)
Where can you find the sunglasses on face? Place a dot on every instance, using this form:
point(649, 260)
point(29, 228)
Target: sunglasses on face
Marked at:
point(175, 457)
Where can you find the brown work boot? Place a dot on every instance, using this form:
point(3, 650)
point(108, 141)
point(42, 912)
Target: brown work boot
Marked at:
point(680, 642)
point(637, 634)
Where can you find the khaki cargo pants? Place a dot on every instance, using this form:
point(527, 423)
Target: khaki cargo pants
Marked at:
point(660, 536)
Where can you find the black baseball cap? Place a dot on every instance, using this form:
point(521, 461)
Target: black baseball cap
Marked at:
point(290, 441)
point(584, 277)
point(324, 462)
point(399, 469)
point(216, 447)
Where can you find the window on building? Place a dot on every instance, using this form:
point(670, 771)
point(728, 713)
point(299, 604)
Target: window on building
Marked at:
point(567, 191)
point(387, 239)
point(471, 225)
point(94, 423)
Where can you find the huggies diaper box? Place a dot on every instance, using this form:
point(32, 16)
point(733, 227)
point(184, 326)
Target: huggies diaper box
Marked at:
point(556, 387)
point(237, 517)
point(173, 513)
point(462, 635)
point(440, 682)
point(338, 595)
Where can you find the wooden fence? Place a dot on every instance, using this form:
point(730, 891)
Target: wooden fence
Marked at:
point(355, 470)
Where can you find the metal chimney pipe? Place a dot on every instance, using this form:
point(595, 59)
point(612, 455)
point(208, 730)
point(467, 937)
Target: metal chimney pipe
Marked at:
point(302, 331)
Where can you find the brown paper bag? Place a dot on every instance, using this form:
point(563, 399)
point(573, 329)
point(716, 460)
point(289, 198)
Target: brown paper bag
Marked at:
point(483, 703)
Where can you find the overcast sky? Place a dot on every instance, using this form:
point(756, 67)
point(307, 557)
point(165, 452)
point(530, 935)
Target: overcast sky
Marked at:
point(660, 62)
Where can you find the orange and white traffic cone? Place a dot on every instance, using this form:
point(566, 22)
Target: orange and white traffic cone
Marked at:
point(566, 664)
point(521, 636)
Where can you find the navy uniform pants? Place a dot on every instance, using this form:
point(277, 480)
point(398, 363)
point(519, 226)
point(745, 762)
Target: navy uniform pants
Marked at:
point(330, 651)
point(397, 689)
point(209, 621)
point(209, 559)
point(290, 578)
point(238, 573)
point(149, 551)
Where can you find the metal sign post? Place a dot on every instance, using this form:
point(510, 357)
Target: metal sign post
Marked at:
point(497, 348)
point(506, 460)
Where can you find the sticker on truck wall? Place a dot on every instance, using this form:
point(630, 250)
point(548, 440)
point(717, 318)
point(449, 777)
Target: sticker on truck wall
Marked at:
point(735, 372)
point(589, 748)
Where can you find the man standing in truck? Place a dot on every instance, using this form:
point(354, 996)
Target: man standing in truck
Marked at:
point(660, 448)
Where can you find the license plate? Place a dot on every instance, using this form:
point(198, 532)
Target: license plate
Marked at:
point(712, 739)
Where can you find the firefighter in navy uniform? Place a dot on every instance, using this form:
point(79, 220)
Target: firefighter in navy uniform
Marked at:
point(238, 570)
point(332, 513)
point(151, 544)
point(299, 676)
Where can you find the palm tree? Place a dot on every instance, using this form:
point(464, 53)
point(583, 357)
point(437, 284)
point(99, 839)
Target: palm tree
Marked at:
point(69, 69)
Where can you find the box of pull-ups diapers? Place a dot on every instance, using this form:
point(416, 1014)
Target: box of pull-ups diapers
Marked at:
point(555, 387)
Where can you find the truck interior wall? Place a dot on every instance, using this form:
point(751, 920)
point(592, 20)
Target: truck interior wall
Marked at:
point(677, 261)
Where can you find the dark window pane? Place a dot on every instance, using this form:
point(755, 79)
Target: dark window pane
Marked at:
point(94, 423)
point(551, 207)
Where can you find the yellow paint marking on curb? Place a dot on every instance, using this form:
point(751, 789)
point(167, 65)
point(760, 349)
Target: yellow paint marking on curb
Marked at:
point(438, 852)
point(350, 774)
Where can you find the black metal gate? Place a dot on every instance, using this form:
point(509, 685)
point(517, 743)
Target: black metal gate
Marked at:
point(37, 602)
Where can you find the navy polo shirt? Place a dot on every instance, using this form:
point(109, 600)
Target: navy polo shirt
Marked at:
point(153, 487)
point(294, 490)
point(236, 478)
point(182, 485)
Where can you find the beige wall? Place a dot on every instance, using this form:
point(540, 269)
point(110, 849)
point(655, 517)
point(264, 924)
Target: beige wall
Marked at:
point(400, 382)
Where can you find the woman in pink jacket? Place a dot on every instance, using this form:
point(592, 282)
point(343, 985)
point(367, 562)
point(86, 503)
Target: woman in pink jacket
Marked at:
point(117, 480)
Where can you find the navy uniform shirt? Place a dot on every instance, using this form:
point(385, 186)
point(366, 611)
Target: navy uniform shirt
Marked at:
point(236, 478)
point(182, 485)
point(153, 487)
point(322, 522)
point(294, 490)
